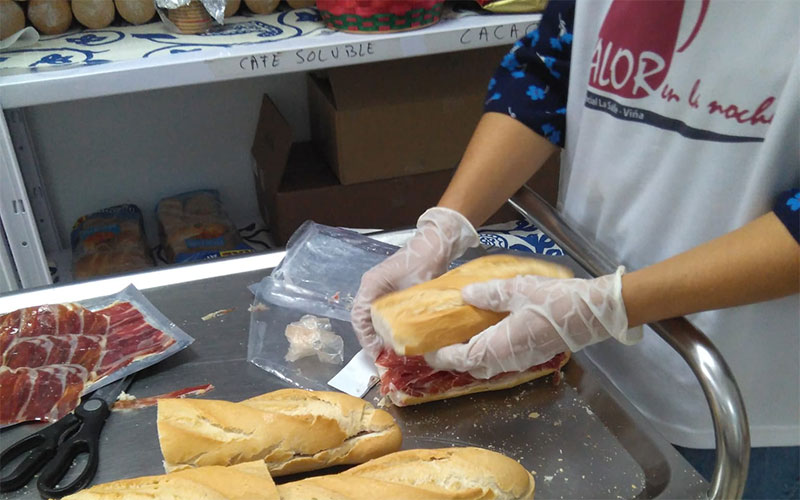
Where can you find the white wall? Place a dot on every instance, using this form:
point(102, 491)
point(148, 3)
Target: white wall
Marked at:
point(139, 148)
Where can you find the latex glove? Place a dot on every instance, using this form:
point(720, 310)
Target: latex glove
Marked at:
point(442, 235)
point(548, 316)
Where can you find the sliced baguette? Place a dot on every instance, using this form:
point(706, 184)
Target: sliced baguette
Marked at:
point(291, 430)
point(431, 315)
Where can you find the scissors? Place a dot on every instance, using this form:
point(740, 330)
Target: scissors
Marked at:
point(54, 448)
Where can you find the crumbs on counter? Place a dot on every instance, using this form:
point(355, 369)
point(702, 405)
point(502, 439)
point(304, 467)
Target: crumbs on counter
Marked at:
point(216, 314)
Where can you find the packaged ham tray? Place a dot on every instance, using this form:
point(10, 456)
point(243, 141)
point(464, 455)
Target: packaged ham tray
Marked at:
point(53, 354)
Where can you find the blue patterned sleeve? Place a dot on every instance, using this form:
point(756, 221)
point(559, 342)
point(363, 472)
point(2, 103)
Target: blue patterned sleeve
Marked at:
point(531, 83)
point(787, 208)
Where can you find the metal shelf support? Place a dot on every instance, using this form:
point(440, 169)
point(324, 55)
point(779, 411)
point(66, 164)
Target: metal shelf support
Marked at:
point(17, 217)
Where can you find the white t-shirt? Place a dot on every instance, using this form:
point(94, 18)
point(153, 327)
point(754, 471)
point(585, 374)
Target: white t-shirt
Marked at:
point(683, 124)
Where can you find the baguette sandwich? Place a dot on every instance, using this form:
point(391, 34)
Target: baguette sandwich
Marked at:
point(290, 430)
point(432, 315)
point(441, 474)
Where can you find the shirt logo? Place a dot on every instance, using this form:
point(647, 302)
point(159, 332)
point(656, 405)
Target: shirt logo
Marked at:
point(637, 46)
point(634, 50)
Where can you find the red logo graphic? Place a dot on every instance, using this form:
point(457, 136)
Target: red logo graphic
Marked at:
point(636, 44)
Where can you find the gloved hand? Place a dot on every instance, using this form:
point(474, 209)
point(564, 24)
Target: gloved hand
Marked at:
point(548, 316)
point(442, 235)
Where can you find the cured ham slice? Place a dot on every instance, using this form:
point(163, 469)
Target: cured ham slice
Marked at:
point(32, 352)
point(44, 393)
point(52, 319)
point(413, 376)
point(137, 403)
point(130, 338)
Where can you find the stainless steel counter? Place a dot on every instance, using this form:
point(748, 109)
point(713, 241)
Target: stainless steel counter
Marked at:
point(580, 438)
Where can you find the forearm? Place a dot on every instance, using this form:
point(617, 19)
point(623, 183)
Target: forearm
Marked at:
point(758, 262)
point(502, 154)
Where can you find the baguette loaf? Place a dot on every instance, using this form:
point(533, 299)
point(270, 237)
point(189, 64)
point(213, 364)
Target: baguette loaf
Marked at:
point(291, 430)
point(246, 481)
point(447, 474)
point(440, 474)
point(431, 315)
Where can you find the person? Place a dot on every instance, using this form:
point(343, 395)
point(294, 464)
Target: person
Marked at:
point(679, 124)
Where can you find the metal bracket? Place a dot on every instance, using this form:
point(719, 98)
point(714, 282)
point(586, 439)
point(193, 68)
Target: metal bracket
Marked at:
point(17, 217)
point(34, 185)
point(8, 273)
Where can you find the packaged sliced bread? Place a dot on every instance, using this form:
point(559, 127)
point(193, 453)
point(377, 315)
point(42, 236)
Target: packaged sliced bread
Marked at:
point(109, 241)
point(194, 226)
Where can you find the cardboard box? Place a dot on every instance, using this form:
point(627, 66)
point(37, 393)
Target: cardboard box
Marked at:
point(396, 118)
point(295, 184)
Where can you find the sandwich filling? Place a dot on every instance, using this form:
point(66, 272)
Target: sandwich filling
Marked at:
point(413, 376)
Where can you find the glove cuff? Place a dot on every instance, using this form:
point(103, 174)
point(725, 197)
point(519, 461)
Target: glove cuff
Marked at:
point(619, 327)
point(458, 230)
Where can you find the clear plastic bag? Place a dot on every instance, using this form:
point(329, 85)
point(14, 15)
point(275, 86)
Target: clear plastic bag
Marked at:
point(319, 275)
point(322, 270)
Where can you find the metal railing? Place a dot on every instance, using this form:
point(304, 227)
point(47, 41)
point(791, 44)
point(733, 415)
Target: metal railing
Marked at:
point(731, 430)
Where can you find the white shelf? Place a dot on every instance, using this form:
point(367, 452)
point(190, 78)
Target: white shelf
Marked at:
point(302, 53)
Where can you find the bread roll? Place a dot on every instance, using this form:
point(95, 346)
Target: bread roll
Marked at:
point(292, 430)
point(136, 11)
point(262, 6)
point(247, 481)
point(447, 474)
point(94, 14)
point(232, 7)
point(50, 17)
point(431, 315)
point(301, 4)
point(12, 18)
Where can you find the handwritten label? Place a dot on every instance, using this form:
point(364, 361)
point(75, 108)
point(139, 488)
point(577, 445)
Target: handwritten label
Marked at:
point(491, 35)
point(344, 54)
point(349, 53)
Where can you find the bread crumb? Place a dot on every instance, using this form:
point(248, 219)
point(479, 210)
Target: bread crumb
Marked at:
point(533, 414)
point(547, 479)
point(124, 396)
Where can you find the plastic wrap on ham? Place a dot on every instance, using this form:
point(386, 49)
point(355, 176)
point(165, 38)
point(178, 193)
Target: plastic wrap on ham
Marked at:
point(53, 354)
point(48, 392)
point(55, 319)
point(44, 350)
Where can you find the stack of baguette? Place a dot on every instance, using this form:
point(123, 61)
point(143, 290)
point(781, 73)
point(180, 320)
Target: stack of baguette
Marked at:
point(216, 450)
point(446, 474)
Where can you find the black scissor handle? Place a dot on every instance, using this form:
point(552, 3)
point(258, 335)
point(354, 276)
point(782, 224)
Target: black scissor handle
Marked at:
point(94, 413)
point(40, 446)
